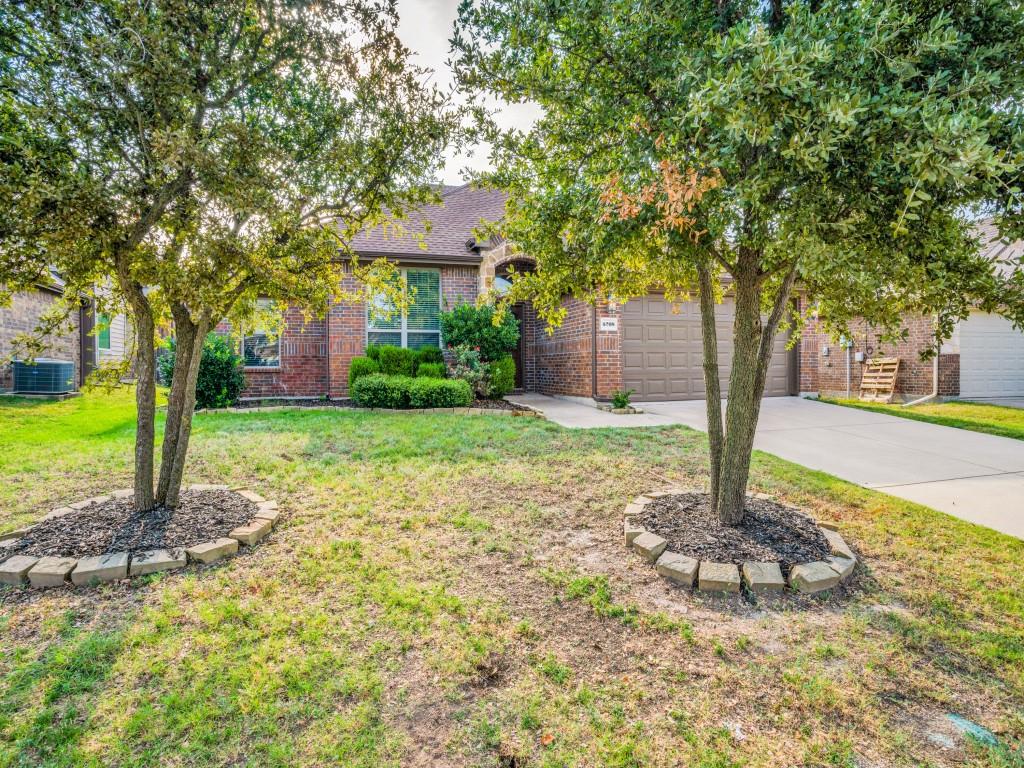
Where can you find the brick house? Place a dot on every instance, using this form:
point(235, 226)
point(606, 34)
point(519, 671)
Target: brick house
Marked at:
point(645, 344)
point(88, 341)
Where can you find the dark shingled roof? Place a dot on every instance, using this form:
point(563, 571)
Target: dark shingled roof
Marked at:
point(1006, 255)
point(452, 221)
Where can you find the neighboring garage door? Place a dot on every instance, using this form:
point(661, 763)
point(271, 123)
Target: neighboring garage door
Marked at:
point(663, 354)
point(991, 357)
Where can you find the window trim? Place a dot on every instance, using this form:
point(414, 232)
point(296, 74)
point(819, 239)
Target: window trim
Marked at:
point(403, 329)
point(241, 350)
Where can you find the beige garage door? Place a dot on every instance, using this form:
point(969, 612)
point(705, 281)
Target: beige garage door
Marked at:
point(663, 353)
point(991, 357)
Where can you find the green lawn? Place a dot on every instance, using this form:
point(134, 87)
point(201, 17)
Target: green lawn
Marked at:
point(449, 591)
point(977, 417)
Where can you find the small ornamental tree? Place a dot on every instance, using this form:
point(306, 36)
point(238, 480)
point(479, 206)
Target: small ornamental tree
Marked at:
point(696, 147)
point(192, 157)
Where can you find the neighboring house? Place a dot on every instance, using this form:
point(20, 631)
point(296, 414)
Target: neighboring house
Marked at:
point(642, 345)
point(84, 344)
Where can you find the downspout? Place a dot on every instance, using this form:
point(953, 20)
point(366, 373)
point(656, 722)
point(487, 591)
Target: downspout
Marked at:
point(849, 352)
point(327, 356)
point(935, 380)
point(593, 356)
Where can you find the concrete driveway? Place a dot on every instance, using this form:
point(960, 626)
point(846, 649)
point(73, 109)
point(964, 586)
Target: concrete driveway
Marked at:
point(976, 477)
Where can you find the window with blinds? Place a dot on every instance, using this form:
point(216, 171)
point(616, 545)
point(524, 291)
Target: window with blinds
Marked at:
point(261, 347)
point(420, 326)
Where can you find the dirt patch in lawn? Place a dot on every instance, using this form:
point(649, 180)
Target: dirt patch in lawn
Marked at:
point(114, 526)
point(770, 532)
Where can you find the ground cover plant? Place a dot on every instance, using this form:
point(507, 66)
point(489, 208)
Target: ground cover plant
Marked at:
point(978, 417)
point(453, 591)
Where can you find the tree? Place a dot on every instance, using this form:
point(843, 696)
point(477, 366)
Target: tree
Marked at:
point(829, 146)
point(189, 157)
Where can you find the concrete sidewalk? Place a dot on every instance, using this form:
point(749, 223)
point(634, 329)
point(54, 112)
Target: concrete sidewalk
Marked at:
point(976, 477)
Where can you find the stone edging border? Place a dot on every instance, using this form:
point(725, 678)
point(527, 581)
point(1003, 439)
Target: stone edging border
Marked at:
point(54, 571)
point(721, 578)
point(628, 410)
point(518, 411)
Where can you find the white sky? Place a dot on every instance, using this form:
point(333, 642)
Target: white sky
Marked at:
point(426, 27)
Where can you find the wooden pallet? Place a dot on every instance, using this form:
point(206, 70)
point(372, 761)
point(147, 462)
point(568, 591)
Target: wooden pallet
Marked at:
point(879, 380)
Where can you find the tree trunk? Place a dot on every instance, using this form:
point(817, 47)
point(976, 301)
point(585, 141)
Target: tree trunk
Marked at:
point(712, 382)
point(184, 349)
point(184, 433)
point(145, 401)
point(753, 345)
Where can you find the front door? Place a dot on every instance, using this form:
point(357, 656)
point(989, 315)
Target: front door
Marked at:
point(517, 353)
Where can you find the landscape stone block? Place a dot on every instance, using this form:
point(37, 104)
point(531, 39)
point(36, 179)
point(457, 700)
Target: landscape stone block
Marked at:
point(813, 577)
point(830, 525)
point(650, 545)
point(678, 568)
point(251, 533)
point(633, 509)
point(631, 530)
point(58, 512)
point(842, 565)
point(100, 568)
point(718, 577)
point(250, 495)
point(763, 577)
point(270, 515)
point(17, 533)
point(51, 571)
point(266, 505)
point(123, 493)
point(837, 545)
point(209, 551)
point(14, 570)
point(207, 487)
point(154, 560)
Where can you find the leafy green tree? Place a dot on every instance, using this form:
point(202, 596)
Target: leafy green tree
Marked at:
point(192, 156)
point(826, 146)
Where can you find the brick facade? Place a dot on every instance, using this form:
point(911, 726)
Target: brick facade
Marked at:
point(826, 374)
point(22, 316)
point(316, 353)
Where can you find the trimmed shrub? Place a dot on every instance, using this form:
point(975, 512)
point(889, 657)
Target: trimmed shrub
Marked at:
point(396, 361)
point(373, 352)
point(429, 355)
point(439, 393)
point(474, 327)
point(501, 376)
point(361, 366)
point(221, 378)
point(380, 391)
point(431, 371)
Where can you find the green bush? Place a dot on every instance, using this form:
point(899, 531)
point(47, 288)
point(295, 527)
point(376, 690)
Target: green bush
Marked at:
point(502, 376)
point(361, 366)
point(396, 361)
point(620, 398)
point(381, 391)
point(431, 371)
point(474, 327)
point(221, 378)
point(429, 355)
point(439, 393)
point(373, 352)
point(377, 390)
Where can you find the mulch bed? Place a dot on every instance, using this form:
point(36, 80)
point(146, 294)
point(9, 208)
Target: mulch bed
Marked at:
point(497, 405)
point(113, 526)
point(770, 532)
point(316, 403)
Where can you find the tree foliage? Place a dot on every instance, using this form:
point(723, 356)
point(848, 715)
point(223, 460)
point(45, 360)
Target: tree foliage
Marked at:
point(834, 145)
point(193, 156)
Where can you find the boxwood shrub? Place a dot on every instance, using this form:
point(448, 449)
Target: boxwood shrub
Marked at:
point(377, 390)
point(221, 377)
point(431, 371)
point(502, 376)
point(361, 366)
point(439, 393)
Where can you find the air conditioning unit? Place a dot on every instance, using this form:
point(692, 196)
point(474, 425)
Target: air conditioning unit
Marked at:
point(44, 377)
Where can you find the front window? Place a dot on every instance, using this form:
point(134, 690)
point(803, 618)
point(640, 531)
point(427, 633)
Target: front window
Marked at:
point(261, 346)
point(420, 326)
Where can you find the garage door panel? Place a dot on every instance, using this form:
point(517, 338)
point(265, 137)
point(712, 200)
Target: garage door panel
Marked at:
point(991, 357)
point(663, 351)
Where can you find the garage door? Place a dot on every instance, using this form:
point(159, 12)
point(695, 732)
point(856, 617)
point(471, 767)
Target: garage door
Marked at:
point(991, 357)
point(663, 355)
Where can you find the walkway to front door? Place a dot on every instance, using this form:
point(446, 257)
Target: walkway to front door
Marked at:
point(976, 477)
